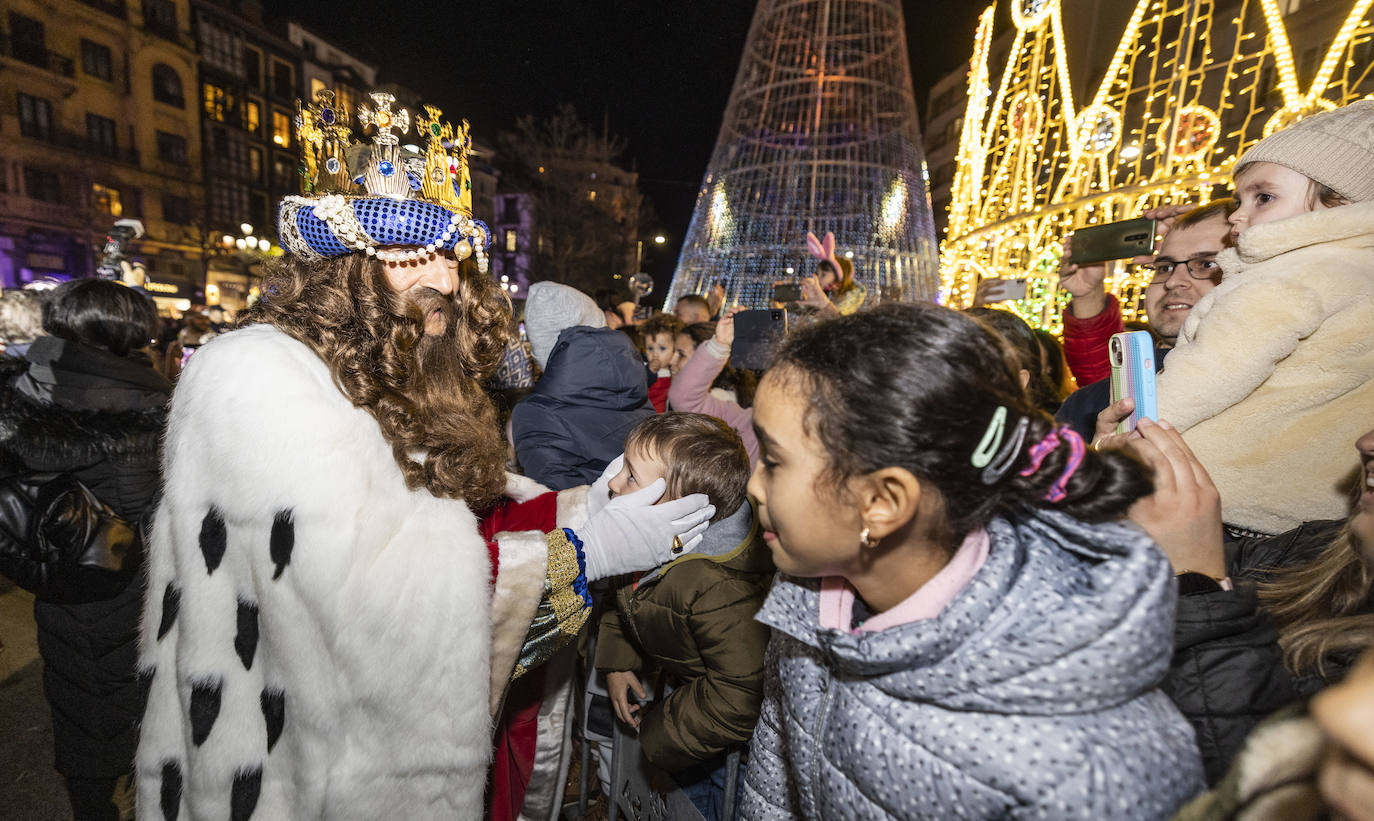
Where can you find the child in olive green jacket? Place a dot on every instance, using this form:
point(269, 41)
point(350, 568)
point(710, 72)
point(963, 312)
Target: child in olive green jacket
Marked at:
point(689, 624)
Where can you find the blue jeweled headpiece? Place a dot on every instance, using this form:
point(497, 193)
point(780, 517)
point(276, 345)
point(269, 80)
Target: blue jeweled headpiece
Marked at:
point(362, 199)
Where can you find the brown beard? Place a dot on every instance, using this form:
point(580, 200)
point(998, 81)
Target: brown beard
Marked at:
point(423, 390)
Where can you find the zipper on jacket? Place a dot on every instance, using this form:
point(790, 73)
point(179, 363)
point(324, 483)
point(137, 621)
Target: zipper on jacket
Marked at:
point(817, 742)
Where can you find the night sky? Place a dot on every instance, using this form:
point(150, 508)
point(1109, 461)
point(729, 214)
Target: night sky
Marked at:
point(659, 72)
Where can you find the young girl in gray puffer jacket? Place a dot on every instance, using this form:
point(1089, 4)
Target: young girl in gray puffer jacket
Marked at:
point(962, 628)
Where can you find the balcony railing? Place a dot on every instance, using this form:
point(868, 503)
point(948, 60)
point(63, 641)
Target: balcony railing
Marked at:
point(41, 211)
point(38, 56)
point(91, 148)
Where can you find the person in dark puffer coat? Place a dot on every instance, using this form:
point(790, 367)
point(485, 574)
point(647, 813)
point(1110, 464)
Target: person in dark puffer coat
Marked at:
point(592, 393)
point(1228, 672)
point(84, 403)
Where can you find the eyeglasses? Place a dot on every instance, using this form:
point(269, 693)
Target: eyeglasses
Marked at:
point(1197, 267)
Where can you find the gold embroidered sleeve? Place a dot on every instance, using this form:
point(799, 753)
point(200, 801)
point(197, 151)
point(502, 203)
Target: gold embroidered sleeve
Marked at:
point(564, 606)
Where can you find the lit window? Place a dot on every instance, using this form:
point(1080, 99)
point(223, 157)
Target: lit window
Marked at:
point(591, 195)
point(510, 239)
point(281, 129)
point(218, 103)
point(107, 200)
point(316, 86)
point(252, 116)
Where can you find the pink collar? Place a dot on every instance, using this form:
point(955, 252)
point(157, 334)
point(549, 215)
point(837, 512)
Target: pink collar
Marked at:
point(837, 596)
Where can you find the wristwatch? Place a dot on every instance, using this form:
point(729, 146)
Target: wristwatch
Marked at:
point(1191, 583)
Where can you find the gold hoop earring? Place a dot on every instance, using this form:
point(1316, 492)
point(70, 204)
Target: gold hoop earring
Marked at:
point(865, 541)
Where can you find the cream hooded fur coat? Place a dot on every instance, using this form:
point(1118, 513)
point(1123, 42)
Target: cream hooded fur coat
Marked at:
point(318, 640)
point(1273, 378)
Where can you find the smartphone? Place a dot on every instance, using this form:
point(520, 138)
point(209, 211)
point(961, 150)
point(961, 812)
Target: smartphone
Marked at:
point(757, 333)
point(786, 292)
point(1133, 374)
point(1115, 240)
point(1008, 290)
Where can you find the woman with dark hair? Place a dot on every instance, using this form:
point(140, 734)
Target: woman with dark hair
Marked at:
point(1055, 366)
point(87, 403)
point(962, 625)
point(1028, 354)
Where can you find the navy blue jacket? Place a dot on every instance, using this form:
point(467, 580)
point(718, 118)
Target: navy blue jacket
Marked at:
point(1080, 410)
point(592, 393)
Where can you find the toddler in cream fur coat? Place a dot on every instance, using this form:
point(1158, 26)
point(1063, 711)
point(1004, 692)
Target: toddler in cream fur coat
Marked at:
point(1274, 372)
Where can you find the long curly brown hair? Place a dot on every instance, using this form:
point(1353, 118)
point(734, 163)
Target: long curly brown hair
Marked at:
point(424, 391)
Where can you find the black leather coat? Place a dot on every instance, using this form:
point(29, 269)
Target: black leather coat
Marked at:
point(72, 409)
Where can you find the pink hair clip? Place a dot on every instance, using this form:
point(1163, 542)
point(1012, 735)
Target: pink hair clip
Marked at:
point(1038, 452)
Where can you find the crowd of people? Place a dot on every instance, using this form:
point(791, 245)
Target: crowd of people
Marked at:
point(379, 545)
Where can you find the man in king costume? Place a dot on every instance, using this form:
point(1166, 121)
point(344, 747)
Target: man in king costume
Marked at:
point(343, 580)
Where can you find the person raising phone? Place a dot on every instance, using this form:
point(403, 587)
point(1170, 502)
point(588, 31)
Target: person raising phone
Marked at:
point(832, 290)
point(1182, 273)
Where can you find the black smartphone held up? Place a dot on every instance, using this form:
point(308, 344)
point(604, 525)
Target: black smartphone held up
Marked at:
point(1115, 240)
point(786, 292)
point(757, 333)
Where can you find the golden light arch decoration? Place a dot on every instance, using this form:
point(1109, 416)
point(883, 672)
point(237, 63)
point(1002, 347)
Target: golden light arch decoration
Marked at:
point(1187, 90)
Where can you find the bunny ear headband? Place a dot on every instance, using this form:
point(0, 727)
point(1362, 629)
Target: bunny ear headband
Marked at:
point(823, 251)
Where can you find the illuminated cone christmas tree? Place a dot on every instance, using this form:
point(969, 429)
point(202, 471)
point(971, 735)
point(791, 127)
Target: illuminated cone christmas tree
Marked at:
point(820, 134)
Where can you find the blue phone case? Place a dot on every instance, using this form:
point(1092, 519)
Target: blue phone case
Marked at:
point(1133, 374)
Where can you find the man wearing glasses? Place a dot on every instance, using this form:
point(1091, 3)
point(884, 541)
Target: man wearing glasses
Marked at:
point(1183, 272)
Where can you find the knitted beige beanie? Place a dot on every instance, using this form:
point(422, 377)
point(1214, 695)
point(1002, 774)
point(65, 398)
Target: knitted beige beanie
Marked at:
point(1335, 148)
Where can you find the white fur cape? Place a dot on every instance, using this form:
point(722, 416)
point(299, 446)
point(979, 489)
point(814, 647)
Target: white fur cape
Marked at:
point(1273, 379)
point(320, 640)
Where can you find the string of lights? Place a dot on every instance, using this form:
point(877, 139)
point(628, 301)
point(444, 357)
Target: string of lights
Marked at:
point(1189, 87)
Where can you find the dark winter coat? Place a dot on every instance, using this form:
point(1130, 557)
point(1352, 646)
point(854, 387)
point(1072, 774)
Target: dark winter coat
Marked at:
point(1227, 673)
point(72, 408)
point(693, 619)
point(1033, 694)
point(574, 422)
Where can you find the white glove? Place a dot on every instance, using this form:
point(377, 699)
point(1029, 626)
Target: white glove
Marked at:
point(600, 492)
point(632, 533)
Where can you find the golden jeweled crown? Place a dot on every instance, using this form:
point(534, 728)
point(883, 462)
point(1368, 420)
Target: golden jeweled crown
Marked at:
point(361, 197)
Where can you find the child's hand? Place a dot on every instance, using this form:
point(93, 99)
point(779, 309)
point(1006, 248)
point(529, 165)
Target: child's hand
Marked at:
point(618, 685)
point(725, 327)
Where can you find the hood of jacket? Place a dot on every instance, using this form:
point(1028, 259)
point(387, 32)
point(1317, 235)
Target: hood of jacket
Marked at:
point(1350, 226)
point(57, 431)
point(552, 308)
point(1064, 617)
point(595, 368)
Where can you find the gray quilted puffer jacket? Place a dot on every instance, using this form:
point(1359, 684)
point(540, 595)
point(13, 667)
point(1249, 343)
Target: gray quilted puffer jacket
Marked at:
point(1034, 694)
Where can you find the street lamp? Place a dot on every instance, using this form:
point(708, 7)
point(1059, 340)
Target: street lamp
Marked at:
point(659, 239)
